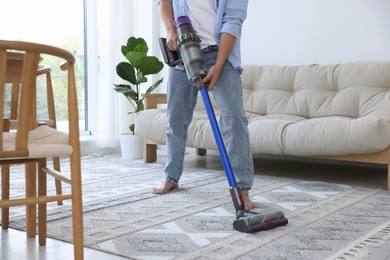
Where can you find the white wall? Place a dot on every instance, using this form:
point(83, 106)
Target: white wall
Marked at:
point(292, 32)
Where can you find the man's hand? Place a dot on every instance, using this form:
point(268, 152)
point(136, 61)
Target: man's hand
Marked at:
point(172, 39)
point(212, 77)
point(225, 47)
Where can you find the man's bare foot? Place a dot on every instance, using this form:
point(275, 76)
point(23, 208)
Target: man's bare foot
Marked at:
point(165, 187)
point(248, 203)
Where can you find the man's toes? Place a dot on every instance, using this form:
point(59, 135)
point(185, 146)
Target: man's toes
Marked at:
point(156, 191)
point(249, 205)
point(165, 188)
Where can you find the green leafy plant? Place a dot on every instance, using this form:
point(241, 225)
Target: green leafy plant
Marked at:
point(134, 71)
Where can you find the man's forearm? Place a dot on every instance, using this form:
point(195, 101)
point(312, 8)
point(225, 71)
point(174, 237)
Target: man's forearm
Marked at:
point(225, 47)
point(166, 13)
point(167, 16)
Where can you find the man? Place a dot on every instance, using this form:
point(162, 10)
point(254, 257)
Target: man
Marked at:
point(218, 24)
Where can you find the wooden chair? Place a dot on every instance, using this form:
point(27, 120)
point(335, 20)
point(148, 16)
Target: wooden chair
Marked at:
point(31, 144)
point(15, 80)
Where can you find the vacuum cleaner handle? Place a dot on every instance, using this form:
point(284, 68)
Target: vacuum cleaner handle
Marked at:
point(171, 58)
point(218, 137)
point(235, 191)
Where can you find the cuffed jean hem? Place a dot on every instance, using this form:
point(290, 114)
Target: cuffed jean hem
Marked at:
point(171, 180)
point(244, 190)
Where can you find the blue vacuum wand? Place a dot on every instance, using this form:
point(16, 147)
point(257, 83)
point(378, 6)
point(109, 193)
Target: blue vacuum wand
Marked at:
point(191, 56)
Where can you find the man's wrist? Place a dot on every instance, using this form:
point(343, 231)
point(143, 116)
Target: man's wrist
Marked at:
point(171, 23)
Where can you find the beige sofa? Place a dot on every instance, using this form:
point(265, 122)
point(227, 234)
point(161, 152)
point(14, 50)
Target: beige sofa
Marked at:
point(338, 112)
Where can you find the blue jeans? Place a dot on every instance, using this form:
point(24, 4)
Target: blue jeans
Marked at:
point(233, 123)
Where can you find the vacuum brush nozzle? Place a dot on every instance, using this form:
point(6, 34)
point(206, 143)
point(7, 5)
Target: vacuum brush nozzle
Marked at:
point(251, 222)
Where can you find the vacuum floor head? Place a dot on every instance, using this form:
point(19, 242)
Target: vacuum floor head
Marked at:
point(251, 222)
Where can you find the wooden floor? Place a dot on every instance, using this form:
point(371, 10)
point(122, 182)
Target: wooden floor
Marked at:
point(15, 245)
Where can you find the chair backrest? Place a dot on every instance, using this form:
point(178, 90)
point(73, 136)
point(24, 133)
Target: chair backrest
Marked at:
point(14, 78)
point(10, 72)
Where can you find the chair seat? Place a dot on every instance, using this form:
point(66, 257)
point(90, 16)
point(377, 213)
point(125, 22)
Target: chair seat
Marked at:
point(43, 141)
point(48, 122)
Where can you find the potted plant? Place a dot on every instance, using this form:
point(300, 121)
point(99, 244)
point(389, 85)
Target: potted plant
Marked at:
point(134, 71)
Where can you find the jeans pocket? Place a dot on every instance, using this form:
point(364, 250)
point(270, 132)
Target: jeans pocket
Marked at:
point(210, 48)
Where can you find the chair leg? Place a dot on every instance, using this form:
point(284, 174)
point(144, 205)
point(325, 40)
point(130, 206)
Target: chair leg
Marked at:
point(77, 208)
point(42, 192)
point(5, 195)
point(31, 186)
point(57, 167)
point(388, 176)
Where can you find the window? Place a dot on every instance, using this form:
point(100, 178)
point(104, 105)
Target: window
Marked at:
point(62, 26)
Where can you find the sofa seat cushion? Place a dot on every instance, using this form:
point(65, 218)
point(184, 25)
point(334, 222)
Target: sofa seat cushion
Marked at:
point(333, 135)
point(283, 133)
point(266, 132)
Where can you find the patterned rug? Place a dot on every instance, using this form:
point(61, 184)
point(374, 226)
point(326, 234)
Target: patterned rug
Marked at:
point(121, 215)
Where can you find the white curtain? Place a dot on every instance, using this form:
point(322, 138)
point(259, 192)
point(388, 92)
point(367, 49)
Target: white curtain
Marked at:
point(109, 25)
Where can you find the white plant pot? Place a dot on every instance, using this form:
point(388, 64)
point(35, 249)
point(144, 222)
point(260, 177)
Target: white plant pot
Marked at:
point(131, 146)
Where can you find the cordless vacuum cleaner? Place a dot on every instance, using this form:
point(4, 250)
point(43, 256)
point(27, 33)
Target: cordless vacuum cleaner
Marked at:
point(190, 54)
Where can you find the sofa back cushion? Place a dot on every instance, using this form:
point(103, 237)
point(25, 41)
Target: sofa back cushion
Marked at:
point(354, 89)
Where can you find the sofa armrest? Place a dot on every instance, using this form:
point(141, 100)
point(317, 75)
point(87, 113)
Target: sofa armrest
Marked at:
point(152, 100)
point(150, 150)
